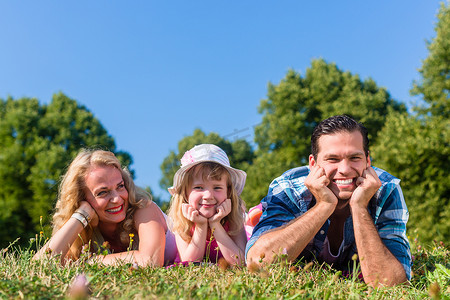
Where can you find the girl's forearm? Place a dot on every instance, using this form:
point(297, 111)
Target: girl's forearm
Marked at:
point(232, 253)
point(195, 249)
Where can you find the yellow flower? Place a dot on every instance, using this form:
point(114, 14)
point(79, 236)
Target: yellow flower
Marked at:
point(131, 235)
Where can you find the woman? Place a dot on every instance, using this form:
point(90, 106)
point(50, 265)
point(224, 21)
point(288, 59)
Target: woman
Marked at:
point(98, 202)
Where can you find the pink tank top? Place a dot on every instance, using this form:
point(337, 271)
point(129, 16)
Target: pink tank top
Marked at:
point(212, 251)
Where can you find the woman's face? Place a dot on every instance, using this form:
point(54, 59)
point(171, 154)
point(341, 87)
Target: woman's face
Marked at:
point(106, 193)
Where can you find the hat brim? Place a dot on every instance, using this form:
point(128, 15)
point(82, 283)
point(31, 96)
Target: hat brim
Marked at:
point(238, 177)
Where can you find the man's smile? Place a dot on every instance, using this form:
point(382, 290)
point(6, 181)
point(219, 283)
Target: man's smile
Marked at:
point(343, 181)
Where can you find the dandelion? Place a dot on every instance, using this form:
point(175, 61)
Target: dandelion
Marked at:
point(337, 275)
point(253, 267)
point(41, 233)
point(435, 290)
point(79, 288)
point(131, 235)
point(264, 274)
point(134, 266)
point(261, 257)
point(355, 257)
point(308, 266)
point(223, 264)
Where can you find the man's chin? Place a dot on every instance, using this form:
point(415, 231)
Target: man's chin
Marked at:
point(343, 198)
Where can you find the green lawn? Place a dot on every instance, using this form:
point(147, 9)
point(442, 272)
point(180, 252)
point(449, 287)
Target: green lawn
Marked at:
point(21, 277)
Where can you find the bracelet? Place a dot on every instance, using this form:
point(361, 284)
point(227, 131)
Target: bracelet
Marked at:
point(84, 214)
point(81, 218)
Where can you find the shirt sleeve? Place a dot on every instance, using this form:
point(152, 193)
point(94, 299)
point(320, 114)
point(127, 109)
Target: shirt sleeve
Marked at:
point(280, 206)
point(390, 220)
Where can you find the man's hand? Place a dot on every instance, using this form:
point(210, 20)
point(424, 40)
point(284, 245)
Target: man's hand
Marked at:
point(317, 183)
point(192, 214)
point(367, 186)
point(222, 211)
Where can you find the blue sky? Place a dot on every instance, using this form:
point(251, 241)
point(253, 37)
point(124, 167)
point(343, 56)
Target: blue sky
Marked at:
point(153, 71)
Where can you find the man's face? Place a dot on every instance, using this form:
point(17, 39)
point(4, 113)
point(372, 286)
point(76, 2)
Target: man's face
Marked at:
point(342, 157)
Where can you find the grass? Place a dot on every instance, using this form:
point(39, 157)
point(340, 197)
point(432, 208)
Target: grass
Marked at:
point(22, 277)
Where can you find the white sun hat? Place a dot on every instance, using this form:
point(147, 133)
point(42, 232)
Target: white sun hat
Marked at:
point(207, 153)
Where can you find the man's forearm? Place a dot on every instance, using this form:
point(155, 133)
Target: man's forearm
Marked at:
point(378, 264)
point(293, 237)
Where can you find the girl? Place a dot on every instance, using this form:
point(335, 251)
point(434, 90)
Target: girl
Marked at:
point(98, 202)
point(206, 210)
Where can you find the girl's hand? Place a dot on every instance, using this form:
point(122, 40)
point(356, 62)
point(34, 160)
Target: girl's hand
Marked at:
point(222, 211)
point(87, 209)
point(192, 214)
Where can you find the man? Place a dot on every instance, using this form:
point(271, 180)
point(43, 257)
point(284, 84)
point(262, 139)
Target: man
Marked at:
point(337, 206)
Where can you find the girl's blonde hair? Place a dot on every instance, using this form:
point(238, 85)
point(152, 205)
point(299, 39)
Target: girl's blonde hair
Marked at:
point(209, 171)
point(72, 192)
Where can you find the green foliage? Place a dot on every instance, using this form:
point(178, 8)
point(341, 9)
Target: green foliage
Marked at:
point(434, 86)
point(239, 153)
point(46, 278)
point(296, 105)
point(416, 148)
point(37, 142)
point(164, 205)
point(417, 151)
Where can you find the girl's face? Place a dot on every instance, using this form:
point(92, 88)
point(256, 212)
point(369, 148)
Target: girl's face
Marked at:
point(205, 195)
point(106, 193)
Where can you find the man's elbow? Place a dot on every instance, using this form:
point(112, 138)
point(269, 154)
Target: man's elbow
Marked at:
point(251, 255)
point(257, 254)
point(393, 279)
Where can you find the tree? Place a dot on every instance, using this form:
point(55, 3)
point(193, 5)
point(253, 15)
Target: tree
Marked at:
point(37, 142)
point(434, 85)
point(415, 148)
point(296, 105)
point(164, 205)
point(239, 153)
point(417, 151)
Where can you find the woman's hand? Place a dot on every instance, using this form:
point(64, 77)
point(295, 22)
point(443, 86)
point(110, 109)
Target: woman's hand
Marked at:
point(87, 209)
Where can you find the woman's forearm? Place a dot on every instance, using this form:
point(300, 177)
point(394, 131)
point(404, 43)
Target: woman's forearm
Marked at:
point(62, 240)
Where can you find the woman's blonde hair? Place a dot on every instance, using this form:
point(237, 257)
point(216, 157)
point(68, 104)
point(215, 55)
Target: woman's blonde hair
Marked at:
point(72, 192)
point(209, 171)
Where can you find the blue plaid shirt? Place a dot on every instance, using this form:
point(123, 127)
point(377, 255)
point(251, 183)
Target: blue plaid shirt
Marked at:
point(288, 198)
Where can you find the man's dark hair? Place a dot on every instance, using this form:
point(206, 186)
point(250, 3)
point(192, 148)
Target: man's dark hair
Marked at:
point(335, 124)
